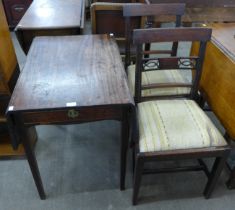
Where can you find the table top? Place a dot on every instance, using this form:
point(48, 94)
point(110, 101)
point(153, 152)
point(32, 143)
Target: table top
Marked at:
point(53, 14)
point(64, 71)
point(223, 36)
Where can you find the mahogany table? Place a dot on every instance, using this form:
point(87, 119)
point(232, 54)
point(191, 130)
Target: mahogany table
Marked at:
point(67, 80)
point(50, 18)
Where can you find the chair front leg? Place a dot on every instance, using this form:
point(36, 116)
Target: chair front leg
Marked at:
point(133, 158)
point(231, 182)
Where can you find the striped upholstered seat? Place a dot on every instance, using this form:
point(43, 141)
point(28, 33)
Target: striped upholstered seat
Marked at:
point(160, 76)
point(175, 124)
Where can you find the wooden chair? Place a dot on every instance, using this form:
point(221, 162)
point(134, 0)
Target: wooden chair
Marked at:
point(107, 18)
point(171, 129)
point(130, 11)
point(133, 11)
point(111, 1)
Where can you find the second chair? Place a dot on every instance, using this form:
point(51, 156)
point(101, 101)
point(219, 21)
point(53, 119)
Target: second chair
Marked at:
point(174, 129)
point(149, 78)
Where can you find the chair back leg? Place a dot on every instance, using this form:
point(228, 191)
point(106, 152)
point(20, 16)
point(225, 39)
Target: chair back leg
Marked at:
point(215, 173)
point(139, 166)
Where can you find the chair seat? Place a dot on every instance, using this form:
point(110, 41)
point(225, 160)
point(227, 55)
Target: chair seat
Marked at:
point(175, 124)
point(161, 76)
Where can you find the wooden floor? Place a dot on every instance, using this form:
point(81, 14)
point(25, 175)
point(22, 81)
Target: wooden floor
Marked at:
point(6, 150)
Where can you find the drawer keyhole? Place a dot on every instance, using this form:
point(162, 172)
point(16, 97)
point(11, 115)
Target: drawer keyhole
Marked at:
point(73, 113)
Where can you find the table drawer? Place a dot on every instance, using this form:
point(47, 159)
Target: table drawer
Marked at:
point(72, 115)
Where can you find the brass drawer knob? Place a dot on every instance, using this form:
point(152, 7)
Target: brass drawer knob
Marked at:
point(73, 113)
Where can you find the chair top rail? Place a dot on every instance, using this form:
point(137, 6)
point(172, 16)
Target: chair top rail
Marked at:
point(141, 36)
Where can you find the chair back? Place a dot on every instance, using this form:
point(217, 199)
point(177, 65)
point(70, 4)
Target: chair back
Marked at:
point(150, 10)
point(155, 63)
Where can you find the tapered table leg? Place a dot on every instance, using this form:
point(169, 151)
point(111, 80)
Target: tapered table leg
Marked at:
point(23, 132)
point(124, 148)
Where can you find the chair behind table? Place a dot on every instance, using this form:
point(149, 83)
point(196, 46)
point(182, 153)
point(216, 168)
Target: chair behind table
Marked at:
point(107, 18)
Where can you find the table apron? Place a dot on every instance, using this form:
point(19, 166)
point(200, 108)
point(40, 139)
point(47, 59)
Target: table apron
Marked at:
point(73, 115)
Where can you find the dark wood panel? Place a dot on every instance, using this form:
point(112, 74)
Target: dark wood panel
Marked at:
point(15, 10)
point(107, 18)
